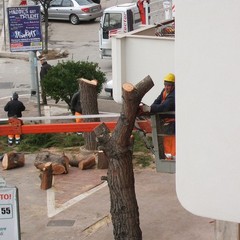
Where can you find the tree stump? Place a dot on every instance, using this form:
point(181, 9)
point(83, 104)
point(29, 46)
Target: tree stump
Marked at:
point(13, 160)
point(46, 176)
point(88, 99)
point(120, 176)
point(60, 163)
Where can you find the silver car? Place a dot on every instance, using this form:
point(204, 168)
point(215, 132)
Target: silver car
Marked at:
point(74, 10)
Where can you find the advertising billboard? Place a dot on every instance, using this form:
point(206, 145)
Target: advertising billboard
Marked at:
point(25, 28)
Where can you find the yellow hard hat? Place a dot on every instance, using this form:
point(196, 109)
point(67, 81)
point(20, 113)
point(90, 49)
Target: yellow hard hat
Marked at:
point(170, 78)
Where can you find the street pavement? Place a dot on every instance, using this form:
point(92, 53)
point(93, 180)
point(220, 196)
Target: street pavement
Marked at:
point(78, 205)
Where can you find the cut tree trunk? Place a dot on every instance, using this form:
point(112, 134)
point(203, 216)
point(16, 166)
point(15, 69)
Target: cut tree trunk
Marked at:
point(88, 99)
point(60, 163)
point(120, 176)
point(46, 176)
point(13, 160)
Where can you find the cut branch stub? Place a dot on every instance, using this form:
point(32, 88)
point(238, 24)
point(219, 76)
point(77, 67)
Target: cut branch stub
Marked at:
point(132, 97)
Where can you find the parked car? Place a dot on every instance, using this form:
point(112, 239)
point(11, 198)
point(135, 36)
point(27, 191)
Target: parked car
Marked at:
point(109, 87)
point(74, 10)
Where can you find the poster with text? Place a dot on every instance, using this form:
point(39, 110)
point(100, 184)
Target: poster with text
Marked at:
point(25, 28)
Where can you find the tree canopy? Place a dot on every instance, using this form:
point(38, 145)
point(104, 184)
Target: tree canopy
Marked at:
point(61, 83)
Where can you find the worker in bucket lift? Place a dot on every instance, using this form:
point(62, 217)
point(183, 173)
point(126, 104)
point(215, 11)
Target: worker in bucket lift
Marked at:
point(165, 102)
point(14, 108)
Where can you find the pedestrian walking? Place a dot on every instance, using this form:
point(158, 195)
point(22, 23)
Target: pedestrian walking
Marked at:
point(14, 109)
point(43, 72)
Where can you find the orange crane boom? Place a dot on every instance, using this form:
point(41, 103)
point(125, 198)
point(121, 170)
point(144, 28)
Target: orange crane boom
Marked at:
point(16, 126)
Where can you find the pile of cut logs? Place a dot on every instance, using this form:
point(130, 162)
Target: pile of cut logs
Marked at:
point(53, 164)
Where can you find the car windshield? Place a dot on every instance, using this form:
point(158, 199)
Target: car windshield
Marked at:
point(84, 2)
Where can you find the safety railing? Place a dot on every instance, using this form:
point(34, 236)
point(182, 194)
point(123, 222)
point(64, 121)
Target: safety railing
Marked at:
point(163, 164)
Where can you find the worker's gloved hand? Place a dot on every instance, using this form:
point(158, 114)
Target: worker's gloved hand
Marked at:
point(143, 109)
point(146, 108)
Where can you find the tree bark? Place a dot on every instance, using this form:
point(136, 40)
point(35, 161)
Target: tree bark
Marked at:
point(88, 99)
point(46, 176)
point(13, 160)
point(46, 28)
point(60, 163)
point(120, 176)
point(102, 160)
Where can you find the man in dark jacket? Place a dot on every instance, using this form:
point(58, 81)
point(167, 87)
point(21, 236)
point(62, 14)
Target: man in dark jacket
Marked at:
point(76, 107)
point(14, 108)
point(44, 70)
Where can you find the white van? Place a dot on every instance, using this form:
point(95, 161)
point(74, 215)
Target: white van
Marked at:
point(117, 19)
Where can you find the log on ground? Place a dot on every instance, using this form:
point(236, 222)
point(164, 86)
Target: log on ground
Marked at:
point(74, 160)
point(13, 160)
point(87, 162)
point(60, 163)
point(46, 176)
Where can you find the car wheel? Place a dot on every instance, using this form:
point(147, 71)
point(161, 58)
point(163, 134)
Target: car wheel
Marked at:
point(74, 19)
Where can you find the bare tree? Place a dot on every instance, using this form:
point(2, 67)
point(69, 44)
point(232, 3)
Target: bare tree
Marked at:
point(45, 6)
point(120, 177)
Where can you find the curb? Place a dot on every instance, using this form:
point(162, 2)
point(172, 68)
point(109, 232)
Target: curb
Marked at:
point(22, 56)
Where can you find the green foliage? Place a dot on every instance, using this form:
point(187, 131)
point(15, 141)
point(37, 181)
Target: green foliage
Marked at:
point(139, 145)
point(35, 142)
point(142, 156)
point(143, 160)
point(61, 83)
point(4, 145)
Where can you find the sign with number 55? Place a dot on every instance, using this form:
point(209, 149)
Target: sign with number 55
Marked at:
point(9, 214)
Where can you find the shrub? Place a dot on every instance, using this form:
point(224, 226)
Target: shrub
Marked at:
point(61, 83)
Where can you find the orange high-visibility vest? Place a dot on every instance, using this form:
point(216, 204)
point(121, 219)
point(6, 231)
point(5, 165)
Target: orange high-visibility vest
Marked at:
point(169, 142)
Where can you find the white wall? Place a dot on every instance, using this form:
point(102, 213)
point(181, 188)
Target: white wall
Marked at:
point(134, 56)
point(208, 107)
